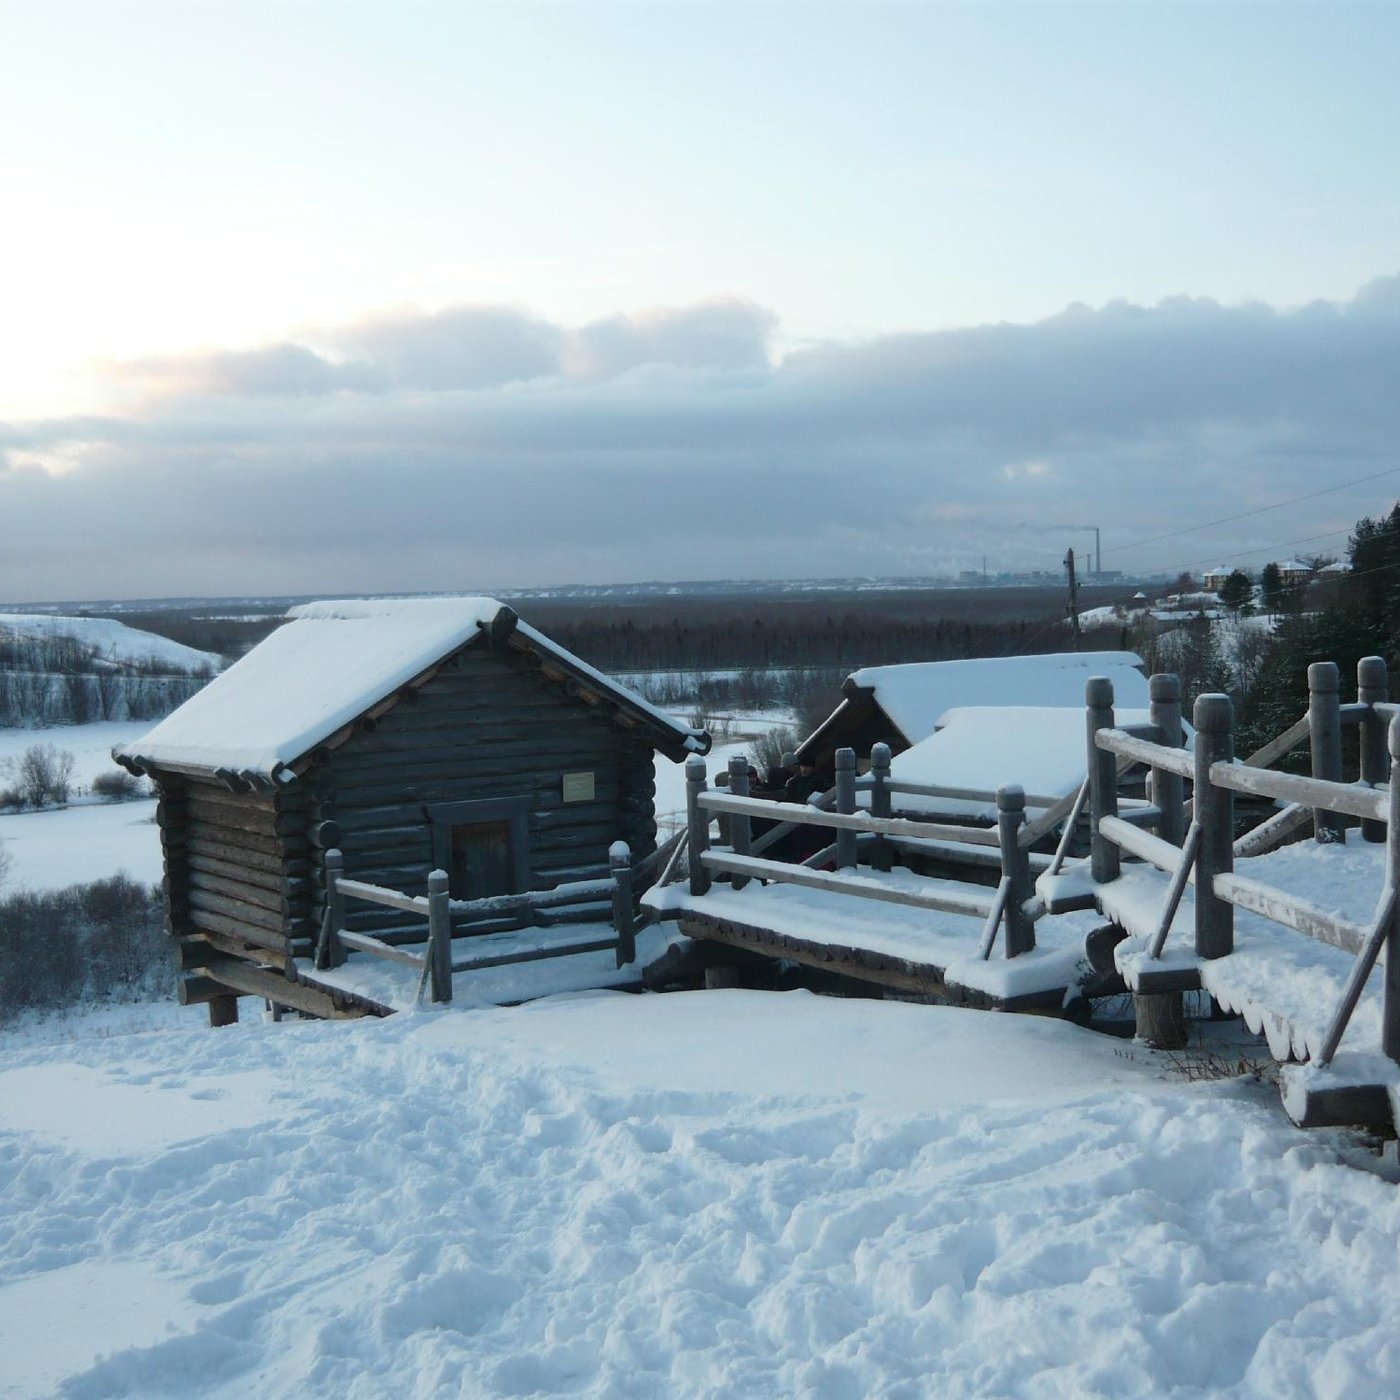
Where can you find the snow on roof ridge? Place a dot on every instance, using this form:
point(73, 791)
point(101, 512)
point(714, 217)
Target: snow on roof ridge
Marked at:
point(312, 676)
point(363, 609)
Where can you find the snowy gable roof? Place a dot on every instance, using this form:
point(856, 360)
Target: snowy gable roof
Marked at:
point(1040, 747)
point(327, 666)
point(916, 695)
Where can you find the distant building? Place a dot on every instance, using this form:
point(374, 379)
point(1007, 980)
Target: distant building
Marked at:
point(1292, 571)
point(1214, 579)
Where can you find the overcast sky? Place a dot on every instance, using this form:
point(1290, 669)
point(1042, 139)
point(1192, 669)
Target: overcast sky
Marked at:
point(328, 298)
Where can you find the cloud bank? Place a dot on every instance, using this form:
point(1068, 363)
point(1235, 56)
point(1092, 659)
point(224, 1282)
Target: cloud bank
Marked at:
point(483, 446)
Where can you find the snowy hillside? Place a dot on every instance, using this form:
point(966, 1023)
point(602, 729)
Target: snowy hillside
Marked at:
point(111, 640)
point(716, 1193)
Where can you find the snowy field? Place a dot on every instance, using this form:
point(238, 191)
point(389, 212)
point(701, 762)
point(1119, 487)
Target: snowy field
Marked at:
point(715, 1193)
point(112, 640)
point(89, 840)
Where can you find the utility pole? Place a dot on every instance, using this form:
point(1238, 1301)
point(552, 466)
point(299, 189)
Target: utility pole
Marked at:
point(1073, 600)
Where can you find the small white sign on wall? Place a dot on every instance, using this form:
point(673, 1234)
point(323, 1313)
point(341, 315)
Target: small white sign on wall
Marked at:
point(578, 787)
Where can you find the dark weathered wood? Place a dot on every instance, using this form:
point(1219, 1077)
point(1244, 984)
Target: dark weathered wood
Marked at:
point(1343, 1106)
point(1390, 1003)
point(697, 824)
point(1168, 787)
point(1372, 690)
point(194, 990)
point(846, 849)
point(439, 937)
point(1103, 778)
point(1016, 871)
point(223, 1011)
point(1325, 739)
point(1161, 1019)
point(330, 951)
point(203, 900)
point(624, 907)
point(1214, 810)
point(881, 853)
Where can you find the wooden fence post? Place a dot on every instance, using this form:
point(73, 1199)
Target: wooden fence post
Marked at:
point(330, 951)
point(740, 823)
point(1104, 862)
point(624, 912)
point(881, 857)
point(1168, 789)
point(1015, 869)
point(1214, 718)
point(846, 846)
point(1390, 1005)
point(697, 824)
point(439, 936)
point(1372, 689)
point(1325, 739)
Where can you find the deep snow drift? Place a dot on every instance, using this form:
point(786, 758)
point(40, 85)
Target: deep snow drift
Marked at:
point(717, 1193)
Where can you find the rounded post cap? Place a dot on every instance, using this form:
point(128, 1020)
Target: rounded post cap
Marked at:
point(1370, 672)
point(619, 853)
point(1393, 735)
point(1098, 693)
point(1213, 713)
point(879, 755)
point(1164, 687)
point(1011, 797)
point(437, 881)
point(845, 758)
point(738, 764)
point(1323, 676)
point(695, 768)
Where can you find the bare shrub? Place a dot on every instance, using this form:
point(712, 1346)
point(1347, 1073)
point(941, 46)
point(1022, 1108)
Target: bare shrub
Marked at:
point(46, 775)
point(116, 785)
point(766, 752)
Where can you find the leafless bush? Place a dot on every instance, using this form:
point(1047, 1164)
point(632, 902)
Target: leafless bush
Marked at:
point(116, 785)
point(46, 775)
point(768, 749)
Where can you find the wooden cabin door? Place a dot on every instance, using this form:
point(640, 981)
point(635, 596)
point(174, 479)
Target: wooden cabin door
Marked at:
point(481, 860)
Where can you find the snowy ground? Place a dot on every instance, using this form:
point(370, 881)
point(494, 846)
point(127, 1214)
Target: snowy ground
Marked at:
point(717, 1193)
point(89, 840)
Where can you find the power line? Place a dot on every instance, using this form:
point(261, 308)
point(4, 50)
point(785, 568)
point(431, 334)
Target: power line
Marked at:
point(1260, 510)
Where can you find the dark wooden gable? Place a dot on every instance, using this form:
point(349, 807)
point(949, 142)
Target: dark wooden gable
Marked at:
point(469, 773)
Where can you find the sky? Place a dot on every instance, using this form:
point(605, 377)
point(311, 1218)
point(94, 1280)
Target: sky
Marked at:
point(319, 298)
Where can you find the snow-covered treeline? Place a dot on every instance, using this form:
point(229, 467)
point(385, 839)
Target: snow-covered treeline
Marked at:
point(48, 697)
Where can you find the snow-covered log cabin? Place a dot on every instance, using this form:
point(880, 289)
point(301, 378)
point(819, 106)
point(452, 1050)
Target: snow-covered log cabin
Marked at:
point(412, 734)
point(902, 705)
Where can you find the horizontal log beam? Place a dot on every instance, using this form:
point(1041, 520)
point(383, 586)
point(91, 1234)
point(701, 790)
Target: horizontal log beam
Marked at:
point(1298, 914)
point(1170, 760)
point(1142, 844)
point(973, 906)
point(856, 821)
point(1312, 792)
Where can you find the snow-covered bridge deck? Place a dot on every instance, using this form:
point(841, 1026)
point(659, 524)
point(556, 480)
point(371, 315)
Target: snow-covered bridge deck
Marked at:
point(908, 948)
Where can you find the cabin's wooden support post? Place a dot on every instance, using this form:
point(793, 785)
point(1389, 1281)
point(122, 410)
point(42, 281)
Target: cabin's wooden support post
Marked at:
point(1160, 1019)
point(1168, 789)
point(439, 936)
point(1390, 1005)
point(1015, 869)
point(1214, 718)
point(846, 846)
point(1104, 863)
point(223, 1010)
point(881, 856)
point(624, 911)
point(1372, 689)
point(330, 951)
point(697, 824)
point(740, 824)
point(1325, 737)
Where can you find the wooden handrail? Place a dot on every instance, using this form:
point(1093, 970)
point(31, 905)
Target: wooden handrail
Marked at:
point(1171, 760)
point(1342, 798)
point(861, 888)
point(719, 801)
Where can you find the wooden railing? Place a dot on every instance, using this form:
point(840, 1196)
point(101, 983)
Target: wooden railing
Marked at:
point(1011, 905)
point(435, 964)
point(1204, 854)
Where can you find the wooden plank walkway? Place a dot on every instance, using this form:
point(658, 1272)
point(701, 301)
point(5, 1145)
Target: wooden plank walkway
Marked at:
point(909, 949)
